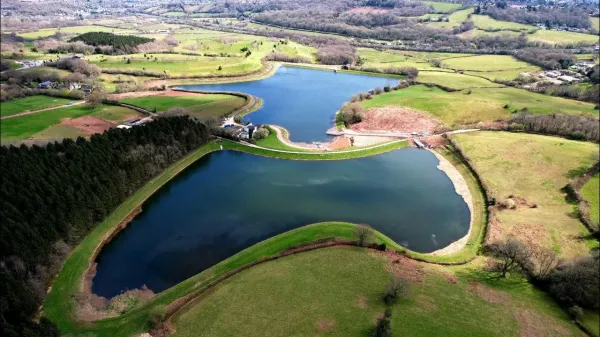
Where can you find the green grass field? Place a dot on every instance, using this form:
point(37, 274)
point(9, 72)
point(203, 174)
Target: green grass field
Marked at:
point(457, 108)
point(478, 33)
point(595, 22)
point(488, 63)
point(460, 16)
point(30, 103)
point(442, 7)
point(419, 60)
point(487, 23)
point(200, 105)
point(536, 168)
point(454, 80)
point(590, 192)
point(72, 30)
point(338, 293)
point(24, 127)
point(554, 37)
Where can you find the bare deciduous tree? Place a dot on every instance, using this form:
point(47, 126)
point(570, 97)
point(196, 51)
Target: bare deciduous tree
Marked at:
point(398, 288)
point(512, 255)
point(364, 235)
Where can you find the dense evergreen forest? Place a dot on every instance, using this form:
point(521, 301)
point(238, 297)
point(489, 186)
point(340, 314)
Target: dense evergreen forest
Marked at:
point(52, 196)
point(110, 39)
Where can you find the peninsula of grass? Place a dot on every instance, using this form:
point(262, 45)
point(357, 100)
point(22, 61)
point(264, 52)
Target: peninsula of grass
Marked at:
point(275, 298)
point(199, 105)
point(273, 142)
point(590, 192)
point(30, 103)
point(311, 155)
point(535, 168)
point(479, 104)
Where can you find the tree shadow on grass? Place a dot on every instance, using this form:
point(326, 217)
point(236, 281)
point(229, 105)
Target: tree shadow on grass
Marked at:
point(492, 279)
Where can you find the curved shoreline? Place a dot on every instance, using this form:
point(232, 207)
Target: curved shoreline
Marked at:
point(462, 189)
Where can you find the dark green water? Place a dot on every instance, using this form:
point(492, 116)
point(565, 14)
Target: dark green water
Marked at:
point(228, 201)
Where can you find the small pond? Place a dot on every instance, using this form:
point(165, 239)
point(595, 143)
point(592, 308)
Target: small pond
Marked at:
point(228, 201)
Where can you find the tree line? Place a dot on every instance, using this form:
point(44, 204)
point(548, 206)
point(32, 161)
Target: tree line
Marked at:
point(110, 39)
point(569, 17)
point(52, 196)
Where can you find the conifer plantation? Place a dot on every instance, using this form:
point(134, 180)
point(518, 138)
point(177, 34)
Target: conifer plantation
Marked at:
point(52, 196)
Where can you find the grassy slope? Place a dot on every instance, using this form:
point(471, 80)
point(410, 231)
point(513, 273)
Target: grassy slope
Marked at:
point(23, 127)
point(487, 63)
point(72, 30)
point(442, 7)
point(456, 108)
point(536, 168)
point(214, 105)
point(486, 23)
point(454, 80)
point(590, 193)
point(30, 103)
point(556, 37)
point(276, 299)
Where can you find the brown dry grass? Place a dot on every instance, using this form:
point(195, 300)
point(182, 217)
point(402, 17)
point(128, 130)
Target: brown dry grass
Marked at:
point(325, 324)
point(397, 119)
point(88, 124)
point(488, 294)
point(532, 324)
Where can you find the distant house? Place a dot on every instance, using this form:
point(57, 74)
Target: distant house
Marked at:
point(122, 126)
point(74, 86)
point(46, 85)
point(568, 79)
point(86, 88)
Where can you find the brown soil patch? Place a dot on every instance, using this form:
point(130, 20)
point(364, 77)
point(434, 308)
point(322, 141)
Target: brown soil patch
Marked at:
point(325, 324)
point(436, 141)
point(451, 278)
point(495, 232)
point(88, 124)
point(533, 325)
point(404, 267)
point(362, 302)
point(533, 235)
point(338, 143)
point(397, 119)
point(365, 10)
point(488, 294)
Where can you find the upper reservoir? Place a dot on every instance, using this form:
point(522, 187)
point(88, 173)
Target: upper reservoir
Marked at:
point(228, 201)
point(304, 101)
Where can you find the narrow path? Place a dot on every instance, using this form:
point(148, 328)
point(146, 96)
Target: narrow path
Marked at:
point(41, 110)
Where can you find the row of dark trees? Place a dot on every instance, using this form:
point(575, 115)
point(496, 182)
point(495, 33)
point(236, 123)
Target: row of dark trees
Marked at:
point(52, 196)
point(110, 39)
point(570, 17)
point(546, 58)
point(574, 284)
point(570, 126)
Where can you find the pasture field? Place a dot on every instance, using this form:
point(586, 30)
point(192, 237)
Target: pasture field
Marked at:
point(479, 32)
point(174, 14)
point(535, 168)
point(442, 7)
point(200, 105)
point(454, 80)
point(30, 103)
point(45, 32)
point(419, 60)
point(487, 23)
point(458, 108)
point(590, 192)
point(274, 299)
point(488, 63)
point(460, 16)
point(595, 22)
point(34, 126)
point(554, 37)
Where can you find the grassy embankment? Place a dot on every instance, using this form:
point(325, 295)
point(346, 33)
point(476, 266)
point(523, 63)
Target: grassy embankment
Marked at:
point(590, 192)
point(274, 298)
point(46, 124)
point(30, 103)
point(458, 108)
point(59, 305)
point(535, 168)
point(200, 105)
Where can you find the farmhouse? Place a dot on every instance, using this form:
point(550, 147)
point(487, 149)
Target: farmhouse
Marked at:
point(46, 85)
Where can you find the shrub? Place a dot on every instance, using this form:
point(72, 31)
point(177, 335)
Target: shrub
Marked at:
point(576, 283)
point(220, 68)
point(237, 119)
point(157, 315)
point(261, 133)
point(398, 288)
point(364, 235)
point(352, 113)
point(576, 312)
point(384, 327)
point(382, 247)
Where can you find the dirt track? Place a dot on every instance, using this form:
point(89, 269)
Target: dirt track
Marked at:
point(41, 110)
